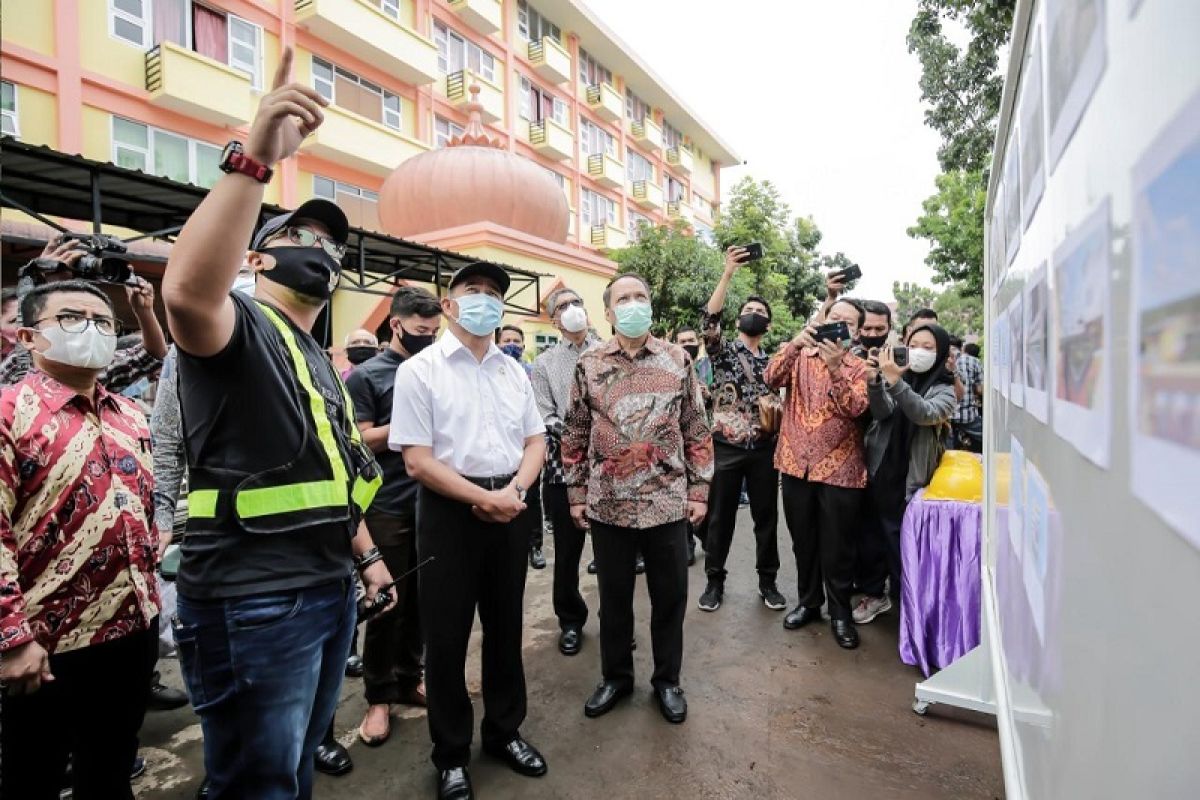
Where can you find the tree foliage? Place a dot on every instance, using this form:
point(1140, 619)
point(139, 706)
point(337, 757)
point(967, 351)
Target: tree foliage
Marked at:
point(963, 87)
point(911, 297)
point(960, 314)
point(952, 221)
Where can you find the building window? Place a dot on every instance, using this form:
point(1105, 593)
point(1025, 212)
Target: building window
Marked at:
point(455, 53)
point(593, 139)
point(533, 26)
point(222, 37)
point(636, 108)
point(346, 90)
point(361, 205)
point(159, 152)
point(701, 205)
point(537, 104)
point(672, 136)
point(444, 130)
point(638, 168)
point(592, 72)
point(8, 109)
point(558, 178)
point(674, 190)
point(544, 341)
point(597, 209)
point(636, 223)
point(389, 7)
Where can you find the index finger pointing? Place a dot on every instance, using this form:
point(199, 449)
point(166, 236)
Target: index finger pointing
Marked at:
point(283, 74)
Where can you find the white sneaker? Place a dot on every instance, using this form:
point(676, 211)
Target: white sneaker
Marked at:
point(869, 608)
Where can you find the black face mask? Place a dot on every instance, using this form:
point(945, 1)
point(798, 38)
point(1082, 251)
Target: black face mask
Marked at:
point(753, 324)
point(872, 342)
point(693, 350)
point(414, 343)
point(309, 271)
point(360, 353)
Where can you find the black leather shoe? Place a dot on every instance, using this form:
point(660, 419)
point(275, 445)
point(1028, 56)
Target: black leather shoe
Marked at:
point(800, 616)
point(164, 698)
point(354, 666)
point(672, 704)
point(844, 633)
point(592, 567)
point(521, 757)
point(570, 641)
point(202, 792)
point(455, 784)
point(332, 759)
point(537, 559)
point(640, 566)
point(605, 698)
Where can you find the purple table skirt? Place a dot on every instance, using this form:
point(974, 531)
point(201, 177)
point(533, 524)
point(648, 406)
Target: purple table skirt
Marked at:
point(939, 594)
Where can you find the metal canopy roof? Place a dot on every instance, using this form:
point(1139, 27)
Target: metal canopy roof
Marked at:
point(60, 185)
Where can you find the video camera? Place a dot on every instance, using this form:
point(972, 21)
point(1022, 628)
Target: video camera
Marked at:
point(102, 262)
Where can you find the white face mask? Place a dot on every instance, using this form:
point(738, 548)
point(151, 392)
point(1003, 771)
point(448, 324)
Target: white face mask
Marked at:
point(244, 284)
point(574, 319)
point(920, 360)
point(89, 349)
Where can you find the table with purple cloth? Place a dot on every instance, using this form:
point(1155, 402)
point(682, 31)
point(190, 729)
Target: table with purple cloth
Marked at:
point(940, 587)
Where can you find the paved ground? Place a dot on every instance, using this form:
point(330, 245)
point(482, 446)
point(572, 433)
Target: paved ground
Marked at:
point(773, 714)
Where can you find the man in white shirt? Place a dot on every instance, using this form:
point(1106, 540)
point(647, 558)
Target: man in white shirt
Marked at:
point(465, 418)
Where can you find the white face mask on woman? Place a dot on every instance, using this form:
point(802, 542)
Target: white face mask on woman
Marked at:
point(921, 360)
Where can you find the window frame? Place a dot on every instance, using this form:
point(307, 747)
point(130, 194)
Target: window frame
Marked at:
point(363, 83)
point(586, 127)
point(256, 75)
point(444, 35)
point(453, 129)
point(633, 104)
point(531, 16)
point(558, 108)
point(633, 157)
point(11, 115)
point(145, 22)
point(588, 69)
point(148, 150)
point(589, 209)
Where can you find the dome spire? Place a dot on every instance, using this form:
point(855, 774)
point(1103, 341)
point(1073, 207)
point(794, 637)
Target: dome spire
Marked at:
point(474, 135)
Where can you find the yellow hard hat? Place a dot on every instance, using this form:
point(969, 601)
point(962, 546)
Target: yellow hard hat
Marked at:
point(959, 476)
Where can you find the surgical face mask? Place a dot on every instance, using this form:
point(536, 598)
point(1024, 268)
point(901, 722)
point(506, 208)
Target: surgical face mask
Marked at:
point(872, 342)
point(921, 360)
point(574, 319)
point(480, 314)
point(513, 351)
point(753, 324)
point(88, 349)
point(692, 350)
point(633, 318)
point(244, 283)
point(414, 343)
point(359, 353)
point(309, 271)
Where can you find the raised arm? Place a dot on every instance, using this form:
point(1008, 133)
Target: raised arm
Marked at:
point(545, 398)
point(206, 257)
point(166, 432)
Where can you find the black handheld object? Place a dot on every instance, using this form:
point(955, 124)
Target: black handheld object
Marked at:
point(104, 260)
point(850, 273)
point(832, 332)
point(383, 597)
point(753, 252)
point(900, 356)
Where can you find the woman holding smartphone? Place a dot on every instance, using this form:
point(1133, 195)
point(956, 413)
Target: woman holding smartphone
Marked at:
point(912, 399)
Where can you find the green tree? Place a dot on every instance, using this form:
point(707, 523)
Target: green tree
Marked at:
point(952, 222)
point(963, 87)
point(910, 297)
point(959, 314)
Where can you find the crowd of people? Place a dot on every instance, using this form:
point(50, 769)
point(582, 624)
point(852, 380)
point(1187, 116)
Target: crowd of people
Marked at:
point(411, 491)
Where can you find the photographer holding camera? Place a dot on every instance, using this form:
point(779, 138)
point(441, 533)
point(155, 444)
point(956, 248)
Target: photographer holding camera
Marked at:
point(58, 262)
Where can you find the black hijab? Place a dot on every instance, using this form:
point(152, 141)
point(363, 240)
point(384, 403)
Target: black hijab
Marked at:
point(921, 382)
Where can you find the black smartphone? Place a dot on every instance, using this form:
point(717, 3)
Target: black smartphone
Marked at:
point(851, 273)
point(833, 332)
point(753, 251)
point(900, 356)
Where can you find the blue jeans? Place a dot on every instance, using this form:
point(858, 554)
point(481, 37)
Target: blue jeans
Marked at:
point(264, 673)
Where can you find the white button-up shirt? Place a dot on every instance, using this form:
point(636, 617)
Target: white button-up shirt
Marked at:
point(475, 415)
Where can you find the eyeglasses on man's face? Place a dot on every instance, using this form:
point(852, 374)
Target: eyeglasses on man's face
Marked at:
point(307, 237)
point(73, 322)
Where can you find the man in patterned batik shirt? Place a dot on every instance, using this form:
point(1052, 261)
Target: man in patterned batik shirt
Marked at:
point(638, 457)
point(78, 602)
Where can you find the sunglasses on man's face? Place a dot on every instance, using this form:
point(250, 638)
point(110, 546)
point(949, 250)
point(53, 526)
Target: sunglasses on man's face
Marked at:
point(306, 237)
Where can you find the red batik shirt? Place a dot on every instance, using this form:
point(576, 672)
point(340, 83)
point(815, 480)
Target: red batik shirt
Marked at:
point(77, 550)
point(820, 439)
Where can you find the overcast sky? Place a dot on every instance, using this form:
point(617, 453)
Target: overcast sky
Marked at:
point(819, 96)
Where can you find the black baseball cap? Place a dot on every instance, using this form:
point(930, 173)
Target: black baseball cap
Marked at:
point(318, 210)
point(483, 269)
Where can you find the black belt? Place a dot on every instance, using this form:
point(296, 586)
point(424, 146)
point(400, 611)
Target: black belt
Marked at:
point(498, 482)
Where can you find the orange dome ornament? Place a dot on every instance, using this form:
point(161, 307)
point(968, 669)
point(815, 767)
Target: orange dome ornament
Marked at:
point(473, 179)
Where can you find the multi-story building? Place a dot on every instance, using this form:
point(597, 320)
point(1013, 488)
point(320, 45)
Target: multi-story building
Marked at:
point(161, 85)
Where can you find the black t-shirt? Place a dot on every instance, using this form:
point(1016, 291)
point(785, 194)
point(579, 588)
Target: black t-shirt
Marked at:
point(371, 384)
point(241, 412)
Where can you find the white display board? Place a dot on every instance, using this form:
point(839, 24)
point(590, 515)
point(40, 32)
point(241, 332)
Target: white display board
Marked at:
point(1092, 524)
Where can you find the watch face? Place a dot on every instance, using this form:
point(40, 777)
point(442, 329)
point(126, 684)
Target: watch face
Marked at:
point(231, 148)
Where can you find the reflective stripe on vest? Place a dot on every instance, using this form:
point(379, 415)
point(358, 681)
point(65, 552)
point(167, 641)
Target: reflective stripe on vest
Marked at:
point(290, 497)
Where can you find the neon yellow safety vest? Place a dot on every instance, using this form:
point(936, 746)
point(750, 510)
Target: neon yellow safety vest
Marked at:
point(335, 492)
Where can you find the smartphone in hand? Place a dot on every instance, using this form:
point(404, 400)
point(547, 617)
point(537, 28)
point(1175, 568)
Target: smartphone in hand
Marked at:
point(753, 250)
point(900, 356)
point(851, 273)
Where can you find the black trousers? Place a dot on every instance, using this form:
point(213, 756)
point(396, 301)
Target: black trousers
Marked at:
point(757, 469)
point(533, 499)
point(822, 521)
point(478, 565)
point(90, 713)
point(664, 549)
point(871, 556)
point(569, 605)
point(887, 502)
point(392, 646)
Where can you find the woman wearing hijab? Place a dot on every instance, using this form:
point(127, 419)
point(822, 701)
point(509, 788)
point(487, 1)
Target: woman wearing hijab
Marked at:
point(910, 413)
